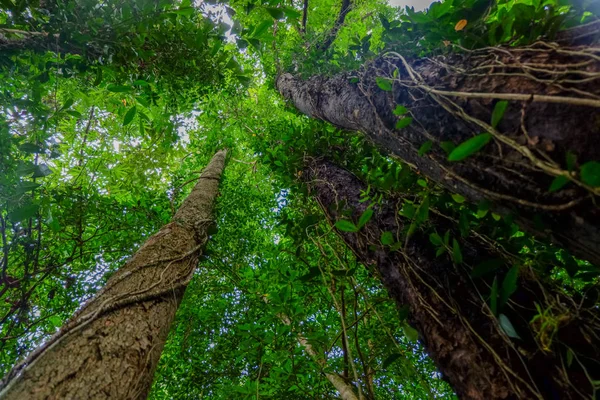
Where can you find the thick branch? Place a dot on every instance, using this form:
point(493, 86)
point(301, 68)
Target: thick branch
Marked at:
point(552, 93)
point(450, 309)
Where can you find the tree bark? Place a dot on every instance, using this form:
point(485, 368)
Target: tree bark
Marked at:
point(450, 309)
point(111, 346)
point(553, 94)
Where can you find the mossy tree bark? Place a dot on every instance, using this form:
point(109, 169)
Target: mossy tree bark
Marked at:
point(451, 309)
point(111, 346)
point(553, 95)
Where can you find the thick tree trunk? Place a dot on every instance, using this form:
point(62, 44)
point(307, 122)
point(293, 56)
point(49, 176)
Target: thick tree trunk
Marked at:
point(555, 357)
point(110, 348)
point(553, 95)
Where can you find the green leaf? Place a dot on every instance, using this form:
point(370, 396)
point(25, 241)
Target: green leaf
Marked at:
point(384, 83)
point(458, 198)
point(119, 88)
point(425, 147)
point(509, 285)
point(262, 28)
point(98, 79)
point(558, 183)
point(41, 171)
point(140, 82)
point(129, 116)
point(365, 217)
point(346, 226)
point(74, 113)
point(25, 212)
point(569, 357)
point(30, 148)
point(410, 332)
point(26, 186)
point(456, 253)
point(276, 13)
point(508, 327)
point(498, 112)
point(400, 110)
point(67, 104)
point(390, 360)
point(487, 267)
point(590, 173)
point(185, 11)
point(387, 238)
point(403, 123)
point(354, 80)
point(312, 273)
point(291, 13)
point(469, 147)
point(494, 296)
point(447, 146)
point(435, 239)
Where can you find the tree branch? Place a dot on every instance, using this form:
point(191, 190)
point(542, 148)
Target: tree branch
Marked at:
point(346, 5)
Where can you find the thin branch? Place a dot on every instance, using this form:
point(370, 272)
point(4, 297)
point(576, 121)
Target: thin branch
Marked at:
point(332, 34)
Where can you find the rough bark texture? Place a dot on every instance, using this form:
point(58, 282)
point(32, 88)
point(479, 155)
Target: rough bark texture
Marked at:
point(111, 347)
point(449, 308)
point(554, 108)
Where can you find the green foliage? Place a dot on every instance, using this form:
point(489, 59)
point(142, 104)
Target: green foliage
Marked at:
point(469, 147)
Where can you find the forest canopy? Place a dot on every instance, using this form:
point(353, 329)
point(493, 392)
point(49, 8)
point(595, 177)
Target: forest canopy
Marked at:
point(299, 199)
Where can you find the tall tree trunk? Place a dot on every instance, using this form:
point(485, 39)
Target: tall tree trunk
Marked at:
point(553, 95)
point(558, 350)
point(110, 348)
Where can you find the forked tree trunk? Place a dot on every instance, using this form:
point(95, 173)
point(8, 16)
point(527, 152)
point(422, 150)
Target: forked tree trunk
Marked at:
point(557, 354)
point(553, 95)
point(111, 346)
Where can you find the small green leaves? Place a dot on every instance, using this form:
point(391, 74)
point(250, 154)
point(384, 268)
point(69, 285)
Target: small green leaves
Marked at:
point(590, 173)
point(508, 327)
point(384, 83)
point(425, 147)
point(400, 110)
point(129, 116)
point(346, 226)
point(403, 123)
point(456, 253)
point(469, 147)
point(498, 112)
point(387, 238)
point(558, 183)
point(365, 217)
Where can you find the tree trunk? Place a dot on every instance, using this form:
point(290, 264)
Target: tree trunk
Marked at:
point(111, 346)
point(556, 355)
point(553, 95)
